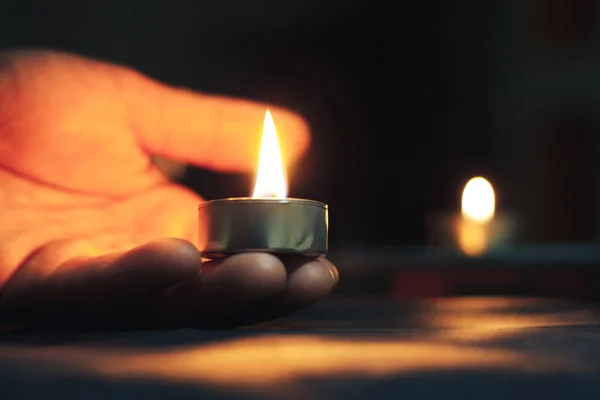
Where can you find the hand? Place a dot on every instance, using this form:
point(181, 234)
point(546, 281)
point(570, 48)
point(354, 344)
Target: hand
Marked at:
point(93, 235)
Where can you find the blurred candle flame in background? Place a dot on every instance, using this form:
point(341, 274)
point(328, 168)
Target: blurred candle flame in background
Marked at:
point(477, 208)
point(270, 177)
point(478, 200)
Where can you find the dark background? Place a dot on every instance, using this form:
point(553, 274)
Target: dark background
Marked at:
point(406, 100)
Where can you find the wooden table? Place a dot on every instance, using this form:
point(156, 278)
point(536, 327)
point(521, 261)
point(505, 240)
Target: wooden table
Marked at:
point(344, 348)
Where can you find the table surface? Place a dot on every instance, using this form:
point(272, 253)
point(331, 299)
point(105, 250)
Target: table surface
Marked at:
point(351, 348)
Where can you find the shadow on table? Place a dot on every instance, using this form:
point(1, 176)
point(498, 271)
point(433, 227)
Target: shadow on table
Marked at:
point(431, 385)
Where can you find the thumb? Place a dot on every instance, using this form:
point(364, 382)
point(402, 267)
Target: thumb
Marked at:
point(209, 131)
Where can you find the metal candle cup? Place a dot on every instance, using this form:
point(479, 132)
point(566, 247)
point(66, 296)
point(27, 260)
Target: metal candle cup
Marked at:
point(273, 225)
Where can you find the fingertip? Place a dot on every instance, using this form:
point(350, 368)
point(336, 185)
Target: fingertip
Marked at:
point(235, 145)
point(293, 133)
point(335, 274)
point(308, 280)
point(312, 280)
point(253, 276)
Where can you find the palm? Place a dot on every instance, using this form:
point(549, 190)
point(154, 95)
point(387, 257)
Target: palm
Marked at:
point(85, 212)
point(86, 225)
point(98, 192)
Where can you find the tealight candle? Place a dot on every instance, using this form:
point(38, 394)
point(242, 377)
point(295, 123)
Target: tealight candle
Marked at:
point(478, 228)
point(268, 221)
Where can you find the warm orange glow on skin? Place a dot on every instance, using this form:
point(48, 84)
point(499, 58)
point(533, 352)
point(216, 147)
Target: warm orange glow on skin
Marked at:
point(270, 177)
point(75, 162)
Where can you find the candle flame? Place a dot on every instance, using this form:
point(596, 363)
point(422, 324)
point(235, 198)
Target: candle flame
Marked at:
point(478, 200)
point(478, 207)
point(270, 177)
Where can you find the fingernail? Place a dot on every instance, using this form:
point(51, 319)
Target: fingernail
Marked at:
point(332, 270)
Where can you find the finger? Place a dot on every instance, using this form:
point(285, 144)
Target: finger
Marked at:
point(248, 288)
point(308, 281)
point(209, 131)
point(92, 287)
point(223, 290)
